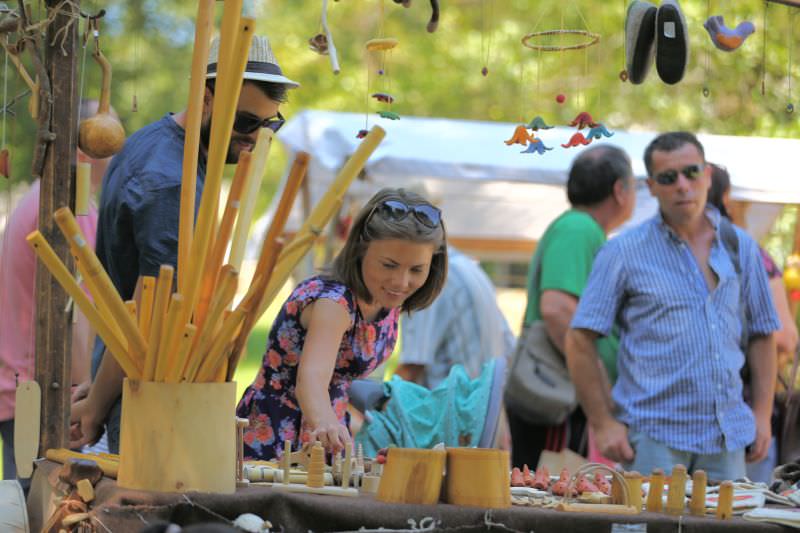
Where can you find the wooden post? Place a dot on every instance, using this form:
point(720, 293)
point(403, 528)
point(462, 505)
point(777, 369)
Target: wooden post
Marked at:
point(53, 328)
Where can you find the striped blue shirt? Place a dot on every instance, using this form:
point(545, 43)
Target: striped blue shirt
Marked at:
point(679, 355)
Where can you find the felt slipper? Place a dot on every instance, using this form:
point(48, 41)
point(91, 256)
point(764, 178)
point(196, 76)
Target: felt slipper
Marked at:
point(640, 28)
point(672, 42)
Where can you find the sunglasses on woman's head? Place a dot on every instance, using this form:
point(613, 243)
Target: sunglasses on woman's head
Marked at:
point(668, 177)
point(247, 123)
point(426, 214)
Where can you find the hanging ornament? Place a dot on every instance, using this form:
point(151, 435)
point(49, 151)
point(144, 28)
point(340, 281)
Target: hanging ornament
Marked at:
point(380, 46)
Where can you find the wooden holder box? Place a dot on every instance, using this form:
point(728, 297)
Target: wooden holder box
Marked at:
point(178, 437)
point(412, 476)
point(478, 477)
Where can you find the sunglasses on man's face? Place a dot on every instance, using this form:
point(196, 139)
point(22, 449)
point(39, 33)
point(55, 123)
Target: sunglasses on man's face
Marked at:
point(426, 214)
point(668, 177)
point(247, 123)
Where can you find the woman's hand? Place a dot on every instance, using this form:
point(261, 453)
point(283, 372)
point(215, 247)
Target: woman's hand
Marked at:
point(331, 433)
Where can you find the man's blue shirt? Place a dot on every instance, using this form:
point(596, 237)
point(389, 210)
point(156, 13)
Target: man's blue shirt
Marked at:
point(679, 354)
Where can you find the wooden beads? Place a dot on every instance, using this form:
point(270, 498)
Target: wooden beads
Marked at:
point(316, 467)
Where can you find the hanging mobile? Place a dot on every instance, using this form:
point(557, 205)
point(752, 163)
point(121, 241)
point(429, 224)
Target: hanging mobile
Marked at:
point(381, 46)
point(486, 42)
point(790, 105)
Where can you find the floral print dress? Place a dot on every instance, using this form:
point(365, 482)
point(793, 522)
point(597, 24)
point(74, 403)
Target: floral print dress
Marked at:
point(270, 403)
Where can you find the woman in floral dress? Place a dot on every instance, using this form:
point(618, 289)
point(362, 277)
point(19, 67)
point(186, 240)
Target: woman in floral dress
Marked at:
point(339, 326)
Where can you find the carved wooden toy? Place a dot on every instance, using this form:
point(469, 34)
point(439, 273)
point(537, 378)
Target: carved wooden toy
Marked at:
point(541, 480)
point(633, 480)
point(527, 478)
point(560, 486)
point(602, 483)
point(584, 485)
point(655, 503)
point(725, 502)
point(316, 468)
point(286, 461)
point(516, 478)
point(347, 466)
point(241, 423)
point(697, 505)
point(676, 497)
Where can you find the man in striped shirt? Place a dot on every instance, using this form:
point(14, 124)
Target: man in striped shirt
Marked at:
point(678, 289)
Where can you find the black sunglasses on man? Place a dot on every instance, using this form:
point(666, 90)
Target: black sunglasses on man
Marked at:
point(247, 123)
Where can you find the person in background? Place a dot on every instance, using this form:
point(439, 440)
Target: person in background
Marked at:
point(140, 208)
point(602, 192)
point(17, 299)
point(674, 288)
point(342, 324)
point(464, 325)
point(719, 195)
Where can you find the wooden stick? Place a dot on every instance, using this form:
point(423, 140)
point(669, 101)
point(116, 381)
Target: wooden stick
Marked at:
point(725, 501)
point(185, 344)
point(250, 302)
point(655, 495)
point(697, 505)
point(114, 344)
point(228, 281)
point(224, 108)
point(214, 263)
point(634, 482)
point(323, 212)
point(146, 311)
point(130, 305)
point(191, 146)
point(603, 508)
point(83, 187)
point(163, 291)
point(169, 332)
point(72, 232)
point(20, 68)
point(253, 182)
point(216, 356)
point(62, 455)
point(676, 497)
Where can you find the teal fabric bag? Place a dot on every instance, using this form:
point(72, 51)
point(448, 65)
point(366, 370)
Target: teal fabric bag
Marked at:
point(414, 417)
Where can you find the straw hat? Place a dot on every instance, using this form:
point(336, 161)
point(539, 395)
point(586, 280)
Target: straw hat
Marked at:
point(261, 63)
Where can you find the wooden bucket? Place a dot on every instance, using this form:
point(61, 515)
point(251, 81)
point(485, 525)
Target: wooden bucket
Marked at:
point(178, 437)
point(412, 476)
point(478, 477)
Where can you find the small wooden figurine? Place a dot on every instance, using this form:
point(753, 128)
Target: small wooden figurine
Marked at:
point(655, 503)
point(602, 483)
point(527, 478)
point(541, 480)
point(517, 479)
point(676, 497)
point(697, 505)
point(725, 502)
point(560, 486)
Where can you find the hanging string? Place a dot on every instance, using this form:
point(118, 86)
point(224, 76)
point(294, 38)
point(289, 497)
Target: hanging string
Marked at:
point(136, 68)
point(764, 52)
point(486, 41)
point(83, 63)
point(623, 74)
point(521, 91)
point(5, 98)
point(790, 105)
point(706, 90)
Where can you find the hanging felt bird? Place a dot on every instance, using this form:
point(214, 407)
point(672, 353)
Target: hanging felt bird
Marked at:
point(727, 39)
point(536, 147)
point(577, 140)
point(583, 120)
point(598, 132)
point(538, 123)
point(520, 136)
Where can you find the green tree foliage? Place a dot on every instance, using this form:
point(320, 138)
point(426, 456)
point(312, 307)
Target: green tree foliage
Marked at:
point(149, 44)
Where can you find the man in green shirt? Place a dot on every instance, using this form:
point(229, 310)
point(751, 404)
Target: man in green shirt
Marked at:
point(602, 193)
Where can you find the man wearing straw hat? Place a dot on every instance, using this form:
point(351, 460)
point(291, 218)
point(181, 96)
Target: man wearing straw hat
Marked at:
point(140, 206)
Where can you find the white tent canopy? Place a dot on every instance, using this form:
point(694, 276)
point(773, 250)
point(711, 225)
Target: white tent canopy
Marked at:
point(495, 199)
